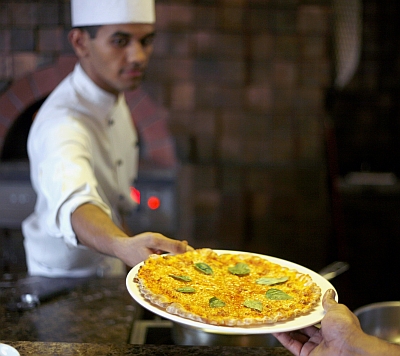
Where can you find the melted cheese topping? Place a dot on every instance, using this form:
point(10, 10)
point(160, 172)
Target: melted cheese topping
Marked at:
point(159, 287)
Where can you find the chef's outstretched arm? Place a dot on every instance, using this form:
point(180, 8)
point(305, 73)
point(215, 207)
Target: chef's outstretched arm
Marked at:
point(94, 229)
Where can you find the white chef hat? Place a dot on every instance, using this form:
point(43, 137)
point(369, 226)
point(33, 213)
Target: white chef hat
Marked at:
point(111, 12)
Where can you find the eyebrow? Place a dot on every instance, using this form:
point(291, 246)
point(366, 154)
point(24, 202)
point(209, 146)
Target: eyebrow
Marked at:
point(127, 34)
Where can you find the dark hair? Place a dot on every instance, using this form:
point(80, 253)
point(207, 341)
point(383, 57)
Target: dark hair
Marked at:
point(91, 30)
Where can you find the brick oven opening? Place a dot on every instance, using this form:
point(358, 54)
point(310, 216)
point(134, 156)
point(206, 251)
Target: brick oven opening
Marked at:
point(18, 198)
point(14, 144)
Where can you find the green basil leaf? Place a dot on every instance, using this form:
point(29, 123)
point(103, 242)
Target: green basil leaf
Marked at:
point(203, 267)
point(253, 304)
point(186, 290)
point(276, 294)
point(240, 269)
point(181, 278)
point(214, 302)
point(269, 281)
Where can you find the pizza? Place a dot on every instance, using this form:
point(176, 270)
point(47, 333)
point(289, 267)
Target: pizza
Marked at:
point(226, 289)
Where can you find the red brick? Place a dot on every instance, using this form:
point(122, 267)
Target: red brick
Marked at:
point(164, 156)
point(7, 109)
point(157, 131)
point(3, 132)
point(231, 18)
point(24, 63)
point(51, 39)
point(183, 96)
point(45, 80)
point(144, 112)
point(260, 98)
point(24, 13)
point(203, 123)
point(285, 74)
point(313, 19)
point(174, 16)
point(66, 64)
point(134, 96)
point(22, 90)
point(230, 149)
point(287, 47)
point(262, 46)
point(205, 148)
point(206, 16)
point(313, 47)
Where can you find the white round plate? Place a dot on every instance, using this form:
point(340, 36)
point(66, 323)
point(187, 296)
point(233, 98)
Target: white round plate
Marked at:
point(7, 350)
point(312, 318)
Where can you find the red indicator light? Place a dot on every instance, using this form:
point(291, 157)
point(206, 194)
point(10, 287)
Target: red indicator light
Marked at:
point(135, 195)
point(153, 203)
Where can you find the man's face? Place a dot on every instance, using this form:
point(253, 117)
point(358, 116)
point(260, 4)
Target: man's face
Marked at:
point(118, 56)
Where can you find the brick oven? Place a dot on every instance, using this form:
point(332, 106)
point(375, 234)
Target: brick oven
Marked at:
point(155, 189)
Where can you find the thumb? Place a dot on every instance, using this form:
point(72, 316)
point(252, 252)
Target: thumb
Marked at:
point(328, 301)
point(171, 245)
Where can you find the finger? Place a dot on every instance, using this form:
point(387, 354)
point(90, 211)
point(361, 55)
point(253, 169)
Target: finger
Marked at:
point(159, 242)
point(307, 332)
point(188, 247)
point(299, 336)
point(309, 347)
point(293, 345)
point(329, 299)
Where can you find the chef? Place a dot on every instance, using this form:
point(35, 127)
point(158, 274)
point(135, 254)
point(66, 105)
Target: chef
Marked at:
point(83, 149)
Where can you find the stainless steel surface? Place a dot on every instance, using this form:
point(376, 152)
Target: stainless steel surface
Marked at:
point(161, 184)
point(141, 329)
point(17, 197)
point(24, 293)
point(186, 335)
point(347, 39)
point(334, 269)
point(381, 320)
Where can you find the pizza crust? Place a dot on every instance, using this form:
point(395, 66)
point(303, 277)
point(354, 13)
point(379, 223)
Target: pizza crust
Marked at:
point(159, 288)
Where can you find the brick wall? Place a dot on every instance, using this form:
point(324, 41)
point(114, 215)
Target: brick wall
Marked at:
point(244, 82)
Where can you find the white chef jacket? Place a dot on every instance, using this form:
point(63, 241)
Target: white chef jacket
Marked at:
point(83, 148)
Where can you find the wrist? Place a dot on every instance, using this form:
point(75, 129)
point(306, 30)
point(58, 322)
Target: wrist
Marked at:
point(367, 345)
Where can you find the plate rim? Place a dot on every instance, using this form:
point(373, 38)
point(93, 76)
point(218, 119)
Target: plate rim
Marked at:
point(312, 318)
point(10, 348)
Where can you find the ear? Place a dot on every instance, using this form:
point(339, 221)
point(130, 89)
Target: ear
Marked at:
point(79, 41)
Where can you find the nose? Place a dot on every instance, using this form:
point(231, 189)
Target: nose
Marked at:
point(136, 53)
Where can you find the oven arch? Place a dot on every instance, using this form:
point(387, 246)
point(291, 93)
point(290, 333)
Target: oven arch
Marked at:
point(149, 118)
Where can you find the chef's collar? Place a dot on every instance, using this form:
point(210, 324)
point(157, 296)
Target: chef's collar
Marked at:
point(99, 102)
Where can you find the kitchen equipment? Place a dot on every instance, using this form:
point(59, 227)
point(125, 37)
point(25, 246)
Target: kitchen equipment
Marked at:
point(381, 320)
point(334, 269)
point(27, 293)
point(187, 335)
point(157, 209)
point(347, 39)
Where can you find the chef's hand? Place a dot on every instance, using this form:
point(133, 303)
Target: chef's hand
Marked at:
point(137, 248)
point(340, 334)
point(94, 229)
